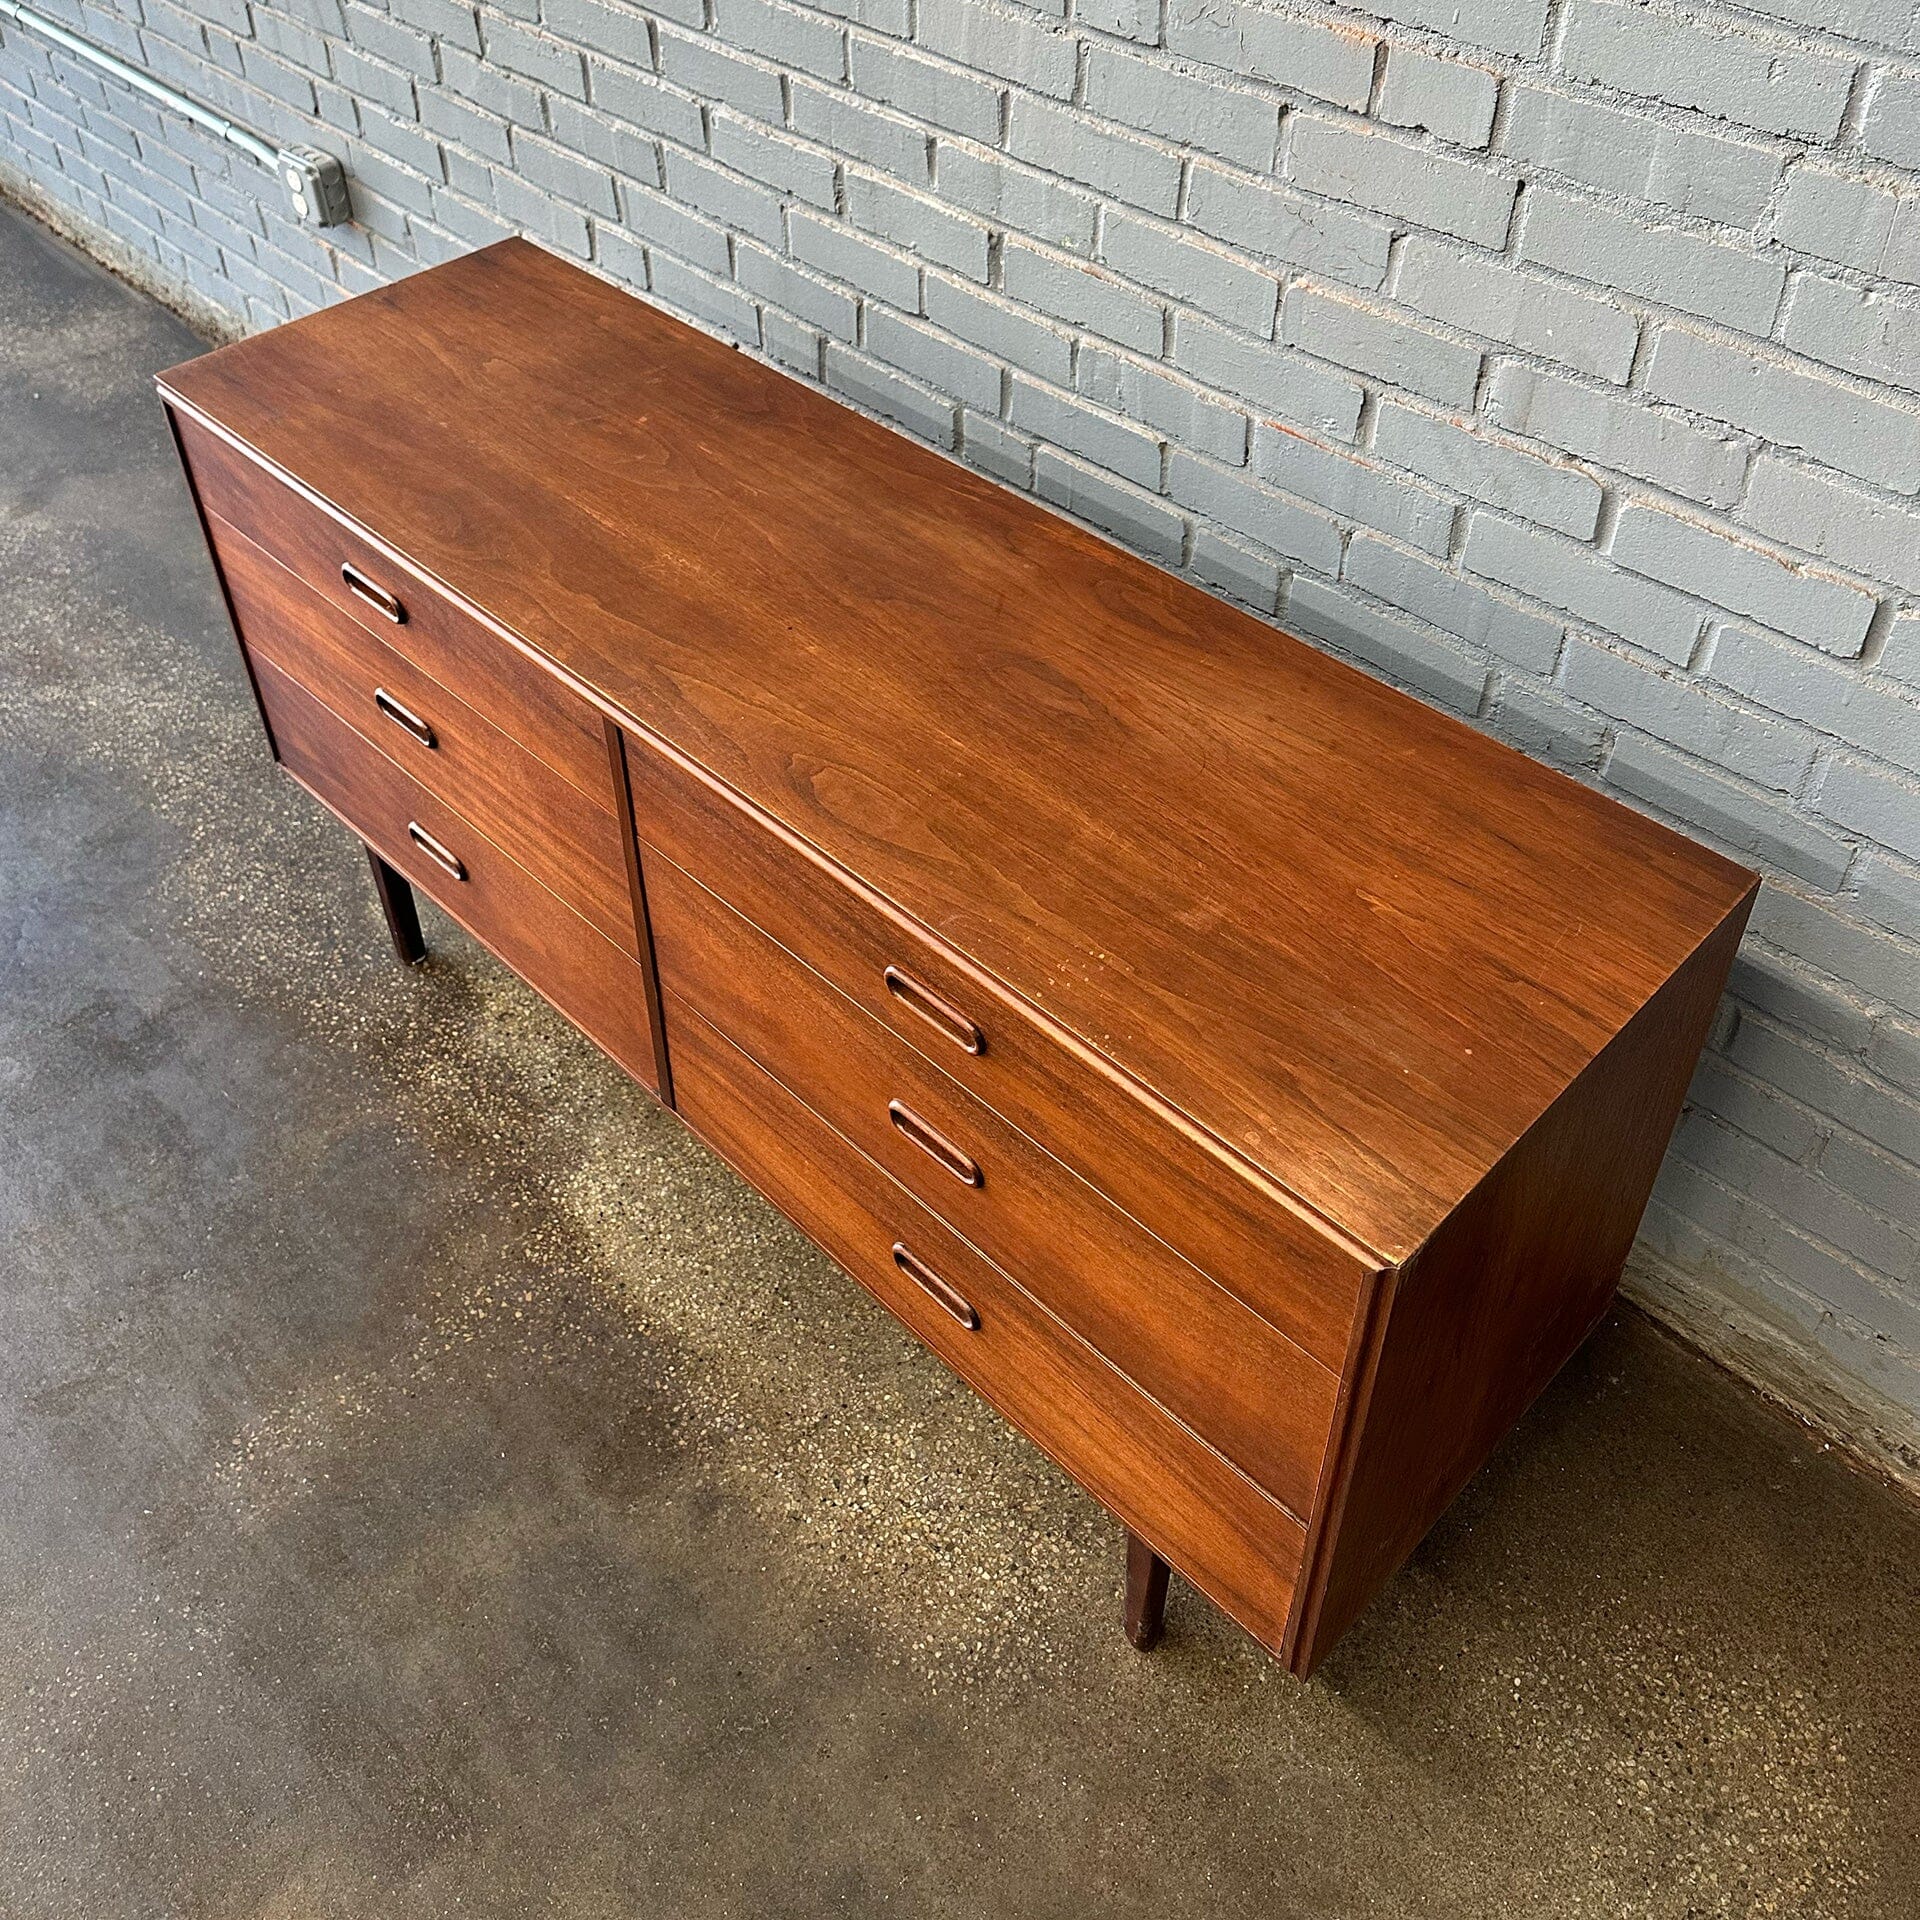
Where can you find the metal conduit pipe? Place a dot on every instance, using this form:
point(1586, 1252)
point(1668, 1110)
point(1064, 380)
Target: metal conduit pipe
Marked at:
point(316, 180)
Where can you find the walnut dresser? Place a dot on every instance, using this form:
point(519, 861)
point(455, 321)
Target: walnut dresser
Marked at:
point(1247, 1078)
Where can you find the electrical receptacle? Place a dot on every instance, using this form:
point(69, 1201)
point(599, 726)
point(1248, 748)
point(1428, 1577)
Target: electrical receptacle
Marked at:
point(318, 185)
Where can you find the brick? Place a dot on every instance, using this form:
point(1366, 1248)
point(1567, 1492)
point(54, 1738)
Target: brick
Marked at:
point(387, 39)
point(1450, 99)
point(991, 324)
point(1756, 1110)
point(559, 172)
point(367, 79)
point(452, 119)
point(1061, 141)
point(1834, 520)
point(616, 30)
point(1313, 57)
point(1809, 1076)
point(1016, 197)
point(660, 222)
point(1832, 940)
point(919, 224)
point(1082, 296)
point(1175, 410)
point(1234, 570)
point(1584, 584)
point(1689, 716)
point(1890, 128)
point(1750, 579)
point(991, 447)
point(1543, 728)
point(726, 197)
point(790, 38)
point(1000, 40)
point(1455, 605)
point(1862, 331)
point(536, 212)
point(534, 57)
point(825, 309)
point(1410, 658)
point(1195, 110)
point(1368, 340)
point(1880, 805)
point(1757, 79)
point(1888, 891)
point(772, 158)
point(1352, 488)
point(1886, 23)
point(446, 20)
point(1716, 175)
point(1733, 814)
point(1278, 225)
point(1870, 224)
point(1666, 264)
point(883, 16)
point(848, 256)
point(1875, 1178)
point(699, 63)
point(1265, 373)
point(930, 90)
point(1508, 26)
point(1146, 524)
point(1265, 517)
point(790, 344)
point(880, 390)
point(480, 85)
point(1900, 656)
point(1108, 443)
point(934, 359)
point(1495, 472)
point(1839, 698)
point(1349, 161)
point(1625, 433)
point(1132, 19)
point(856, 130)
point(1791, 404)
point(1483, 296)
point(641, 101)
point(725, 307)
point(1197, 275)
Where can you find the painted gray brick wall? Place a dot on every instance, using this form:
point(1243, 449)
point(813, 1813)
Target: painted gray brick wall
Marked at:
point(1556, 359)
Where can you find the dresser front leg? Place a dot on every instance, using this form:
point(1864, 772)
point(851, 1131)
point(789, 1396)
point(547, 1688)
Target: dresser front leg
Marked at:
point(403, 918)
point(1146, 1593)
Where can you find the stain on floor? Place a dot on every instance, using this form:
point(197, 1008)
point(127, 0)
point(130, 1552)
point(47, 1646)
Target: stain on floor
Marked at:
point(435, 1485)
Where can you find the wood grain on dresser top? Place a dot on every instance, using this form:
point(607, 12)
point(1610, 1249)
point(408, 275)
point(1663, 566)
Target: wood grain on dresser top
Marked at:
point(1355, 941)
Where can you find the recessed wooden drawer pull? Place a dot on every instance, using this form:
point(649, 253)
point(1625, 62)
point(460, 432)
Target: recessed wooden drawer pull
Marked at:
point(434, 851)
point(934, 1143)
point(938, 1013)
point(929, 1282)
point(404, 717)
point(377, 597)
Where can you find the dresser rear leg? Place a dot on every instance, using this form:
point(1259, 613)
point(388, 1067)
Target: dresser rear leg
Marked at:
point(396, 902)
point(1146, 1593)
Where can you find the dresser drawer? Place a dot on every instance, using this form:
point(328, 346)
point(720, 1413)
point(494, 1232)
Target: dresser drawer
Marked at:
point(589, 979)
point(514, 692)
point(569, 843)
point(1236, 1381)
point(1215, 1526)
point(1143, 1156)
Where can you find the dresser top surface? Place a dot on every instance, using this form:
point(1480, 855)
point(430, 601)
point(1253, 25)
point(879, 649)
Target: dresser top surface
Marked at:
point(1359, 942)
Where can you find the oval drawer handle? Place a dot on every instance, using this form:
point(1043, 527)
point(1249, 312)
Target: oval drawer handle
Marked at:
point(929, 1282)
point(377, 597)
point(434, 851)
point(936, 1012)
point(934, 1144)
point(404, 718)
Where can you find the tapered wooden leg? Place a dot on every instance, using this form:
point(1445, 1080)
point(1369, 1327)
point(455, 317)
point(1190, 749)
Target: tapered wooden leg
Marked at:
point(1146, 1594)
point(396, 902)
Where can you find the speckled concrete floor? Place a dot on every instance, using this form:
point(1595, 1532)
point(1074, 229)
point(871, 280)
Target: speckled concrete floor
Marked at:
point(434, 1486)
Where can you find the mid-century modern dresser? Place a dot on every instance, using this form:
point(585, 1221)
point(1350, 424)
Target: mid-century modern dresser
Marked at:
point(1249, 1079)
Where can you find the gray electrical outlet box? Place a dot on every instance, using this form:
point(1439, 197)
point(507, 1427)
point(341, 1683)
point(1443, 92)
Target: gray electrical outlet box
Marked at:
point(318, 184)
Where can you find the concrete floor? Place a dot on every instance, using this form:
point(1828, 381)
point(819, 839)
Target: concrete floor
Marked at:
point(433, 1485)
